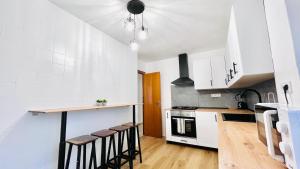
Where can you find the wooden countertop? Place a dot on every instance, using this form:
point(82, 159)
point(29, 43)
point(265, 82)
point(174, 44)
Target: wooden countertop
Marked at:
point(239, 147)
point(81, 108)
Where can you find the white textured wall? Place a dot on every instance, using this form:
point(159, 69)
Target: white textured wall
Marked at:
point(169, 71)
point(49, 58)
point(283, 50)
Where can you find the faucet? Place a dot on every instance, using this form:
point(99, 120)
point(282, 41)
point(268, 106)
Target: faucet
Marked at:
point(251, 90)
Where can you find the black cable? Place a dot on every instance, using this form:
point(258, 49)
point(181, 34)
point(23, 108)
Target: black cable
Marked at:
point(285, 89)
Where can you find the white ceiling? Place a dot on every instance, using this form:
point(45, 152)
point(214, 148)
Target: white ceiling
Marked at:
point(175, 26)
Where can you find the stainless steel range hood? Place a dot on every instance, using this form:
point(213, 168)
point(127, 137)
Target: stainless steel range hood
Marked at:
point(184, 79)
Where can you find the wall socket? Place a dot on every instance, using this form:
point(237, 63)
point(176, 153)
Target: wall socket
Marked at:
point(215, 95)
point(289, 83)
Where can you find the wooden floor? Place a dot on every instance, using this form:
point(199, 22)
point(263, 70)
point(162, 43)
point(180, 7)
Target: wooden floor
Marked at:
point(157, 154)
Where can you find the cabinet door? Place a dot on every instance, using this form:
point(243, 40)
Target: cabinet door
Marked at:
point(207, 129)
point(168, 125)
point(218, 72)
point(236, 54)
point(202, 73)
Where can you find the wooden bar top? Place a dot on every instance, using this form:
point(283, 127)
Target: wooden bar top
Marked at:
point(239, 147)
point(81, 108)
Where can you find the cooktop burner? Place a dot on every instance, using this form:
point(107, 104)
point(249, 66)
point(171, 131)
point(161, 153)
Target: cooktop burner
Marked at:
point(195, 108)
point(185, 107)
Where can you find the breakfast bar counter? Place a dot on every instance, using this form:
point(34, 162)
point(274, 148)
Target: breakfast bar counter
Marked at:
point(64, 112)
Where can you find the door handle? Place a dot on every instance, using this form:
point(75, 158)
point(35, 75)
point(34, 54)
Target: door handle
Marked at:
point(216, 118)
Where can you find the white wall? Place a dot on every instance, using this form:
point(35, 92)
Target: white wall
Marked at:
point(49, 58)
point(169, 70)
point(283, 51)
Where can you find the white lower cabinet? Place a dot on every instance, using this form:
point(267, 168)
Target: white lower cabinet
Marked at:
point(168, 125)
point(207, 129)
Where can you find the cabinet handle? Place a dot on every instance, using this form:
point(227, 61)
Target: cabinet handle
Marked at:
point(228, 78)
point(226, 81)
point(216, 118)
point(231, 76)
point(167, 115)
point(234, 68)
point(183, 141)
point(211, 83)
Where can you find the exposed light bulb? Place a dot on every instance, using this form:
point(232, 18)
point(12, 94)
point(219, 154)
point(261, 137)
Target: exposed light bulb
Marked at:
point(129, 24)
point(134, 45)
point(143, 33)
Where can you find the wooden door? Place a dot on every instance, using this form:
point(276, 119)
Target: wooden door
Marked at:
point(152, 105)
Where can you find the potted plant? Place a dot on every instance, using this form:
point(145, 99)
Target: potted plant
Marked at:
point(101, 102)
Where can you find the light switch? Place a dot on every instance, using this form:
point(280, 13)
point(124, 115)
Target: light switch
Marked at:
point(216, 95)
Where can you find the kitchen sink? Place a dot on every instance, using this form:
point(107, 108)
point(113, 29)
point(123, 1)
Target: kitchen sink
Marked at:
point(239, 117)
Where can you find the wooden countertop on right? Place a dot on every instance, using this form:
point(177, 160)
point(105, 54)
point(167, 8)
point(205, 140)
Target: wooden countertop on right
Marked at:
point(238, 144)
point(240, 148)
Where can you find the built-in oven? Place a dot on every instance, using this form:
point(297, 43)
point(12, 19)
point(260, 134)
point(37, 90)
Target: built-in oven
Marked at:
point(266, 119)
point(183, 123)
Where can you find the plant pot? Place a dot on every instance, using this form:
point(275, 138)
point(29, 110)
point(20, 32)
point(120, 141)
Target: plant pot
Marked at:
point(101, 104)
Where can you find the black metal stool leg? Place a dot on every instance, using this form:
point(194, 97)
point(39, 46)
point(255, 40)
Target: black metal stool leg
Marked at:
point(139, 143)
point(114, 152)
point(69, 156)
point(130, 155)
point(94, 154)
point(103, 153)
point(109, 148)
point(84, 156)
point(119, 149)
point(78, 157)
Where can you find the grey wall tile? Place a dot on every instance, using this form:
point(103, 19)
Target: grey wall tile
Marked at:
point(188, 96)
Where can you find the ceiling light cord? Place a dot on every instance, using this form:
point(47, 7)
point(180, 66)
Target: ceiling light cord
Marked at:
point(134, 28)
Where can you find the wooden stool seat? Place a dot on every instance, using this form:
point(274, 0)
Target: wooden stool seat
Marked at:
point(130, 124)
point(104, 133)
point(120, 128)
point(81, 140)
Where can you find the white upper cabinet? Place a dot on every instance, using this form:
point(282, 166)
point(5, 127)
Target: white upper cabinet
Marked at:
point(202, 73)
point(209, 73)
point(218, 72)
point(248, 55)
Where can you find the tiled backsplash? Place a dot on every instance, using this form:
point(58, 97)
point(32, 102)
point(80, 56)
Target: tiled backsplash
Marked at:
point(188, 96)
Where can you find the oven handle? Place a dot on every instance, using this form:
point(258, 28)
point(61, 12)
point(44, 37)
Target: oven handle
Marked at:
point(268, 129)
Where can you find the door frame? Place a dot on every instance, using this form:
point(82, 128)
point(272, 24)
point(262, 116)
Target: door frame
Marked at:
point(142, 73)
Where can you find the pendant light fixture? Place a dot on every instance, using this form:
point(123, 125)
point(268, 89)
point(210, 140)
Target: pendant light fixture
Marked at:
point(135, 7)
point(133, 44)
point(143, 33)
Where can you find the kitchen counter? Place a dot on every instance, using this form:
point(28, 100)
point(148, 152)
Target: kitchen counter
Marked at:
point(240, 148)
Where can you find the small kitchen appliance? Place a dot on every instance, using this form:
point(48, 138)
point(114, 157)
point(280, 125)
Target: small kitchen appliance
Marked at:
point(266, 118)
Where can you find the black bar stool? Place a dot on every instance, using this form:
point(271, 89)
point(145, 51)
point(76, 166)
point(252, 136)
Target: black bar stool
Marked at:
point(122, 130)
point(106, 161)
point(79, 142)
point(139, 151)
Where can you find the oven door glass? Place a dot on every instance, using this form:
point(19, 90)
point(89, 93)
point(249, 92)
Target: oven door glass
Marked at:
point(183, 126)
